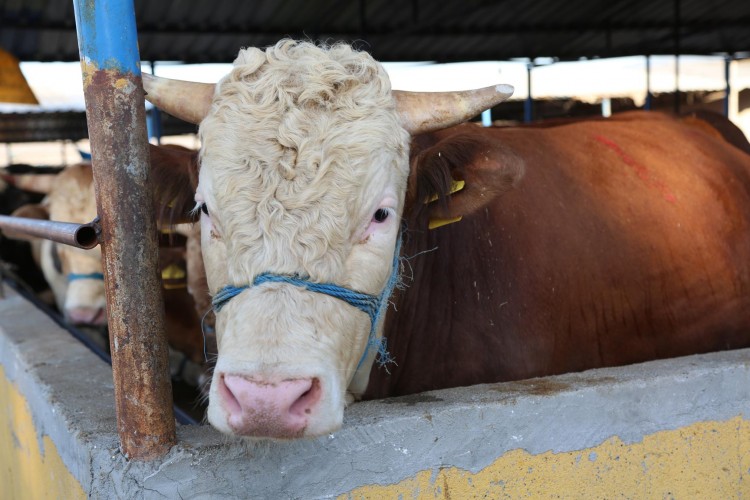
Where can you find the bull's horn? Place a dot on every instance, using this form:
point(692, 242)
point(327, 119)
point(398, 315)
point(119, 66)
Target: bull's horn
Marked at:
point(189, 101)
point(427, 111)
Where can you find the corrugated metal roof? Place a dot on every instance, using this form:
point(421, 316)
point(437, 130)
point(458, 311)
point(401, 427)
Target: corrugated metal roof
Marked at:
point(406, 30)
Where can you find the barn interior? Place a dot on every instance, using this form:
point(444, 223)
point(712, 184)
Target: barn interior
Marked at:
point(538, 39)
point(673, 428)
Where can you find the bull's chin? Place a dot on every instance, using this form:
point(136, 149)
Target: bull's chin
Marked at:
point(274, 409)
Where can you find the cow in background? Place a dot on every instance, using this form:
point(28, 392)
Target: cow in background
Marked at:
point(29, 178)
point(19, 186)
point(584, 245)
point(197, 284)
point(76, 275)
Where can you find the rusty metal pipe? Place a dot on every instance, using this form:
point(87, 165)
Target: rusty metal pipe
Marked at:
point(116, 116)
point(85, 236)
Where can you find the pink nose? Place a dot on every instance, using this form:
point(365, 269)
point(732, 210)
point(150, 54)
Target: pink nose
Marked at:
point(266, 409)
point(87, 316)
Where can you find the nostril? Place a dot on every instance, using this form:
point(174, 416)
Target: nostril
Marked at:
point(226, 395)
point(307, 401)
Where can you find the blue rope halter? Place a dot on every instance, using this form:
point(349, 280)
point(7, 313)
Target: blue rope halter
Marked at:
point(57, 263)
point(374, 306)
point(88, 276)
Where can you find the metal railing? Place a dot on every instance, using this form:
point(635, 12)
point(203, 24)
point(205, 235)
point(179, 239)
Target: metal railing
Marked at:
point(84, 236)
point(115, 111)
point(125, 227)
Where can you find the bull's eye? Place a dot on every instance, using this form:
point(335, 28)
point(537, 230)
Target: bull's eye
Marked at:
point(204, 208)
point(380, 215)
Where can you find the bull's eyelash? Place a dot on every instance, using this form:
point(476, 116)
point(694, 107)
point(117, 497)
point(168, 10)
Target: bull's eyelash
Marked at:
point(199, 207)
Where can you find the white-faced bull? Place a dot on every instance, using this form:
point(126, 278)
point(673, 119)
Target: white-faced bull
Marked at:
point(303, 172)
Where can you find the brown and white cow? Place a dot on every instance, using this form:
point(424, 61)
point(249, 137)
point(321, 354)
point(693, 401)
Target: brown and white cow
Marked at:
point(76, 275)
point(584, 245)
point(304, 164)
point(16, 258)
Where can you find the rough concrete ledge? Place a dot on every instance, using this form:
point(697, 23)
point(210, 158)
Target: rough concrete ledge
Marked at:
point(69, 391)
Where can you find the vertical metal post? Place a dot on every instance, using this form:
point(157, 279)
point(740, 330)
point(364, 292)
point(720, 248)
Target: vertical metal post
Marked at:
point(727, 79)
point(487, 118)
point(677, 57)
point(528, 110)
point(649, 95)
point(154, 125)
point(155, 118)
point(115, 111)
point(676, 84)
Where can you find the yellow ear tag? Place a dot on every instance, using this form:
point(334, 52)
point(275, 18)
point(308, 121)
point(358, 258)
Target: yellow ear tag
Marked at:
point(456, 186)
point(173, 277)
point(436, 223)
point(173, 272)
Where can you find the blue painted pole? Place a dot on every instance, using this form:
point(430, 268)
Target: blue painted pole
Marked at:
point(154, 124)
point(528, 107)
point(727, 67)
point(649, 95)
point(155, 116)
point(115, 112)
point(487, 118)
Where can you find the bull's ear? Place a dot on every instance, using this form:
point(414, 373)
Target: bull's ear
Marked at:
point(30, 211)
point(455, 176)
point(174, 174)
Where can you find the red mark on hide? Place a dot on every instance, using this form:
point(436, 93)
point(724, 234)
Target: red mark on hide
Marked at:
point(640, 170)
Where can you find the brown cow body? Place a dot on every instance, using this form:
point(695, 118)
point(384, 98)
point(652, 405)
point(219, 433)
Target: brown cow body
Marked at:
point(622, 241)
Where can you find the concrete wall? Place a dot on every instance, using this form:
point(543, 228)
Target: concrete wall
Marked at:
point(668, 429)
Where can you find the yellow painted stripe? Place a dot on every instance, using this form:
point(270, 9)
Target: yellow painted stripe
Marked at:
point(25, 470)
point(706, 460)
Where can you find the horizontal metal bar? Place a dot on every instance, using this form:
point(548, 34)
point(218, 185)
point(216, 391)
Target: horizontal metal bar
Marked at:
point(84, 236)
